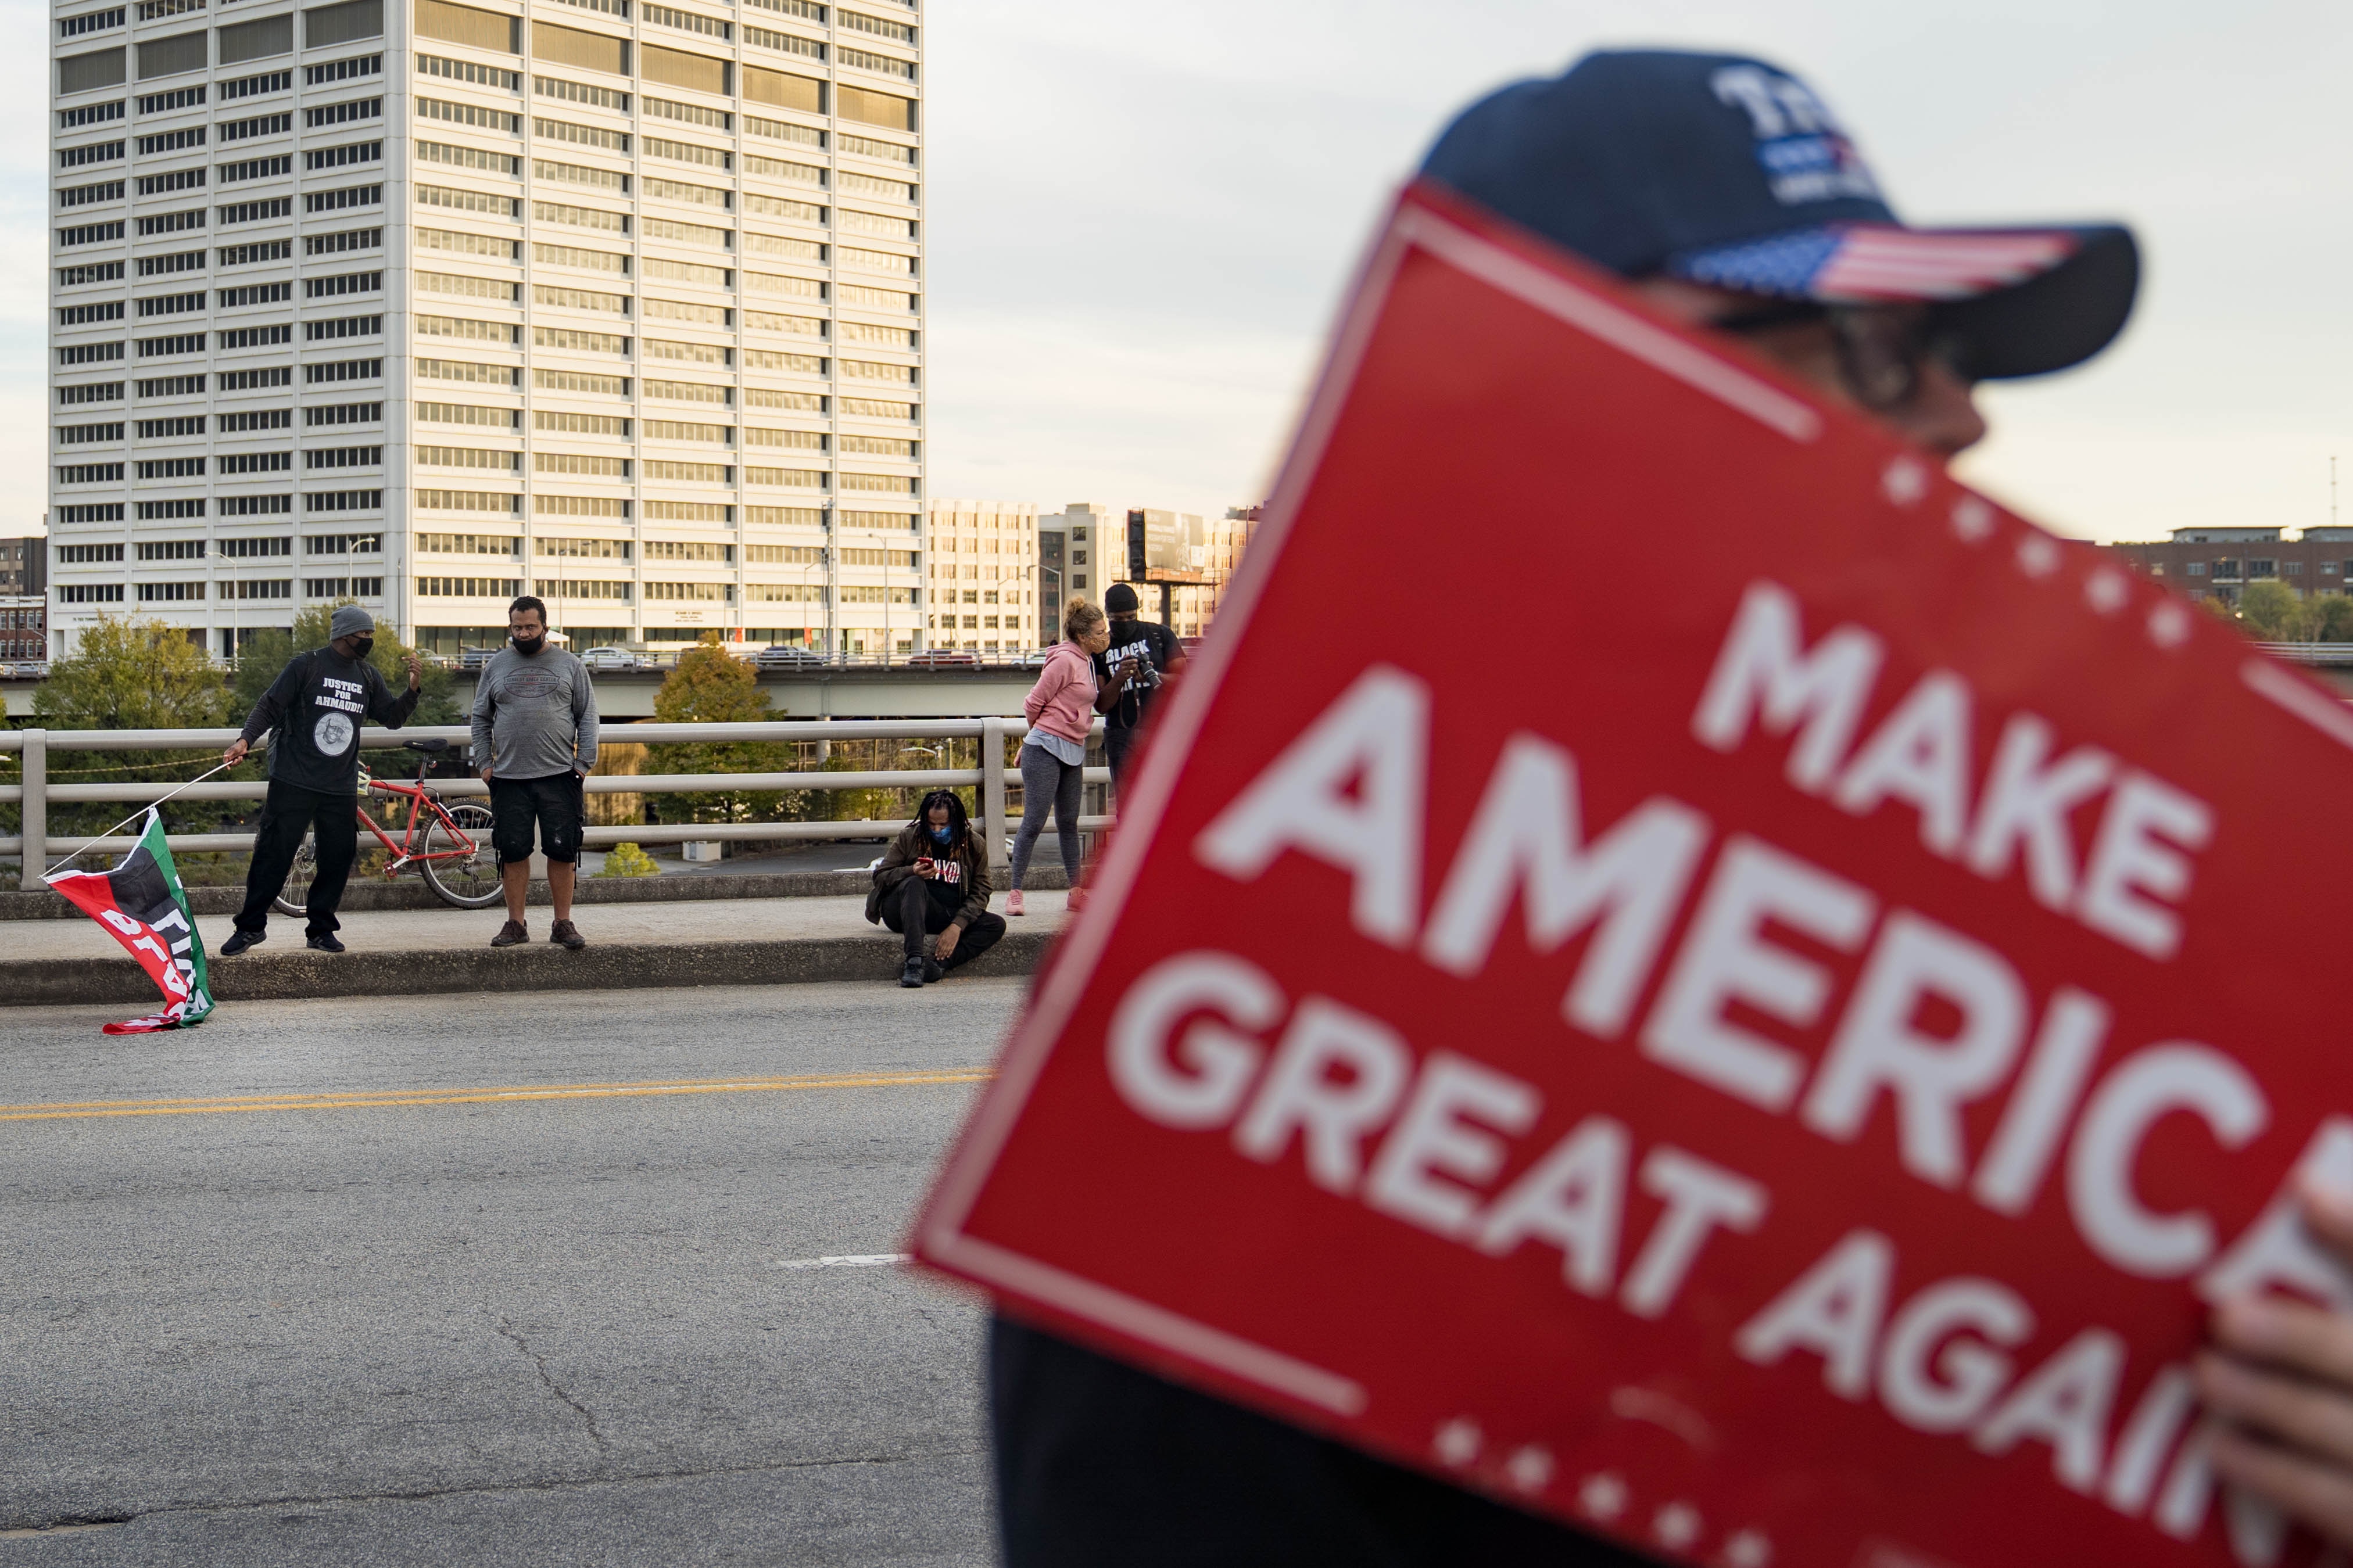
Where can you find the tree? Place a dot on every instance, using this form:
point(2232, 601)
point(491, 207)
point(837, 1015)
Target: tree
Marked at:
point(2271, 610)
point(711, 686)
point(131, 674)
point(258, 663)
point(127, 674)
point(2335, 618)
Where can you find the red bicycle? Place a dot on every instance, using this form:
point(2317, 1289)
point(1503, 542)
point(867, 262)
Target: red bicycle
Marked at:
point(449, 846)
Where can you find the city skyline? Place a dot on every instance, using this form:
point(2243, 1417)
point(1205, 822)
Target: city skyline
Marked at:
point(1135, 317)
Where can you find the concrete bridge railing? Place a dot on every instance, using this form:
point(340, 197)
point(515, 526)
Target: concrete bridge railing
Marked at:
point(35, 791)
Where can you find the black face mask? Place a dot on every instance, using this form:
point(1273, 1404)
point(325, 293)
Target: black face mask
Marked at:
point(362, 646)
point(530, 645)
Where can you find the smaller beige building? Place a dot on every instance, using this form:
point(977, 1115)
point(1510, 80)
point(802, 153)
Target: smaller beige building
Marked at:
point(1178, 563)
point(981, 577)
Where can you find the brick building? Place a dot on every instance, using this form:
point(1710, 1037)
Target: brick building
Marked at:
point(2220, 562)
point(24, 628)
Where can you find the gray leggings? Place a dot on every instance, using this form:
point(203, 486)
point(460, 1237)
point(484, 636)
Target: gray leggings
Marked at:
point(1045, 778)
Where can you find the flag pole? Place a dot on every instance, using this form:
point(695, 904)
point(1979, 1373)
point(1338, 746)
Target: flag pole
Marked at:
point(134, 816)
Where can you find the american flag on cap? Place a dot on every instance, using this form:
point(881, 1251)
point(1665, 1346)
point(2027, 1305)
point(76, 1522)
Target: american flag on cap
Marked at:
point(1857, 262)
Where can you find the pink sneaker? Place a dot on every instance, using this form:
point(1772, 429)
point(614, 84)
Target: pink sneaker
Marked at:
point(1013, 905)
point(1077, 899)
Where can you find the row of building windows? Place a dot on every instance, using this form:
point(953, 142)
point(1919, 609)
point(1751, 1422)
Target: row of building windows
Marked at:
point(556, 45)
point(262, 210)
point(2253, 568)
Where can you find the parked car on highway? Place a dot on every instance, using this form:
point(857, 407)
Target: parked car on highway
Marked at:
point(786, 656)
point(939, 658)
point(613, 658)
point(24, 669)
point(476, 658)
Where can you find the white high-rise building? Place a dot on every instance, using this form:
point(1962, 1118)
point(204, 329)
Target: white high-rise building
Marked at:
point(430, 304)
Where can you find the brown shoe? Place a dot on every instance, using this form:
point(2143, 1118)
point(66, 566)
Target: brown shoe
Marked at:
point(510, 933)
point(568, 934)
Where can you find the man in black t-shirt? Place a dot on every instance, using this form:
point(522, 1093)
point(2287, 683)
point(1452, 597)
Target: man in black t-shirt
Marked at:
point(1128, 674)
point(313, 712)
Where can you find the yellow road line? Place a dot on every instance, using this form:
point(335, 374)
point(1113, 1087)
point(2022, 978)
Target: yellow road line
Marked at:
point(366, 1098)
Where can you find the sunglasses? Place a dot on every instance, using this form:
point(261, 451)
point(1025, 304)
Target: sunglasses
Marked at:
point(1880, 348)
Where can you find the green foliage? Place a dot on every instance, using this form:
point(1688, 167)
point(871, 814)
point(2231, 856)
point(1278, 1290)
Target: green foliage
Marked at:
point(711, 686)
point(2271, 610)
point(2335, 618)
point(127, 673)
point(257, 667)
point(629, 861)
point(851, 805)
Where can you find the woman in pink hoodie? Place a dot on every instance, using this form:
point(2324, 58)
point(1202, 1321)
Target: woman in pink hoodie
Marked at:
point(1062, 709)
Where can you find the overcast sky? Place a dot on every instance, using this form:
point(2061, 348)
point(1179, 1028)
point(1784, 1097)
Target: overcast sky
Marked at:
point(1140, 218)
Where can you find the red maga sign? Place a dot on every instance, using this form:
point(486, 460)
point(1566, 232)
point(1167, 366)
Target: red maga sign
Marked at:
point(1758, 1040)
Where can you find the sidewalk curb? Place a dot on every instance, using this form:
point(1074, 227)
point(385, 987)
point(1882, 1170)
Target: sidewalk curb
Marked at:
point(301, 974)
point(365, 896)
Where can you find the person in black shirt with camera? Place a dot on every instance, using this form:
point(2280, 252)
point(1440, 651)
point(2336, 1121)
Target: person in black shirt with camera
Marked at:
point(1128, 674)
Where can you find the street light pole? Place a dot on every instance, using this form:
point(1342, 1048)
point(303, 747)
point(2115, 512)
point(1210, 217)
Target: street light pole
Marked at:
point(830, 557)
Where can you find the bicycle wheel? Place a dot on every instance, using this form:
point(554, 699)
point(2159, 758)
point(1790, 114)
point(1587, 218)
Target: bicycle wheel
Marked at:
point(294, 897)
point(462, 872)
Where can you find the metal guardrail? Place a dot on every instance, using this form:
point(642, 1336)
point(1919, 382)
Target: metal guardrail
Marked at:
point(35, 791)
point(667, 657)
point(2330, 654)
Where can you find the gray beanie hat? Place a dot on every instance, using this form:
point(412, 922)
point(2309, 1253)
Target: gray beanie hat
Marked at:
point(349, 621)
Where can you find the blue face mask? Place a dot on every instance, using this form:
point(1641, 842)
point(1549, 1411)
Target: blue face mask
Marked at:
point(940, 835)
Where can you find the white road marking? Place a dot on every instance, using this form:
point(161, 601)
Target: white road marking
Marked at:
point(848, 1261)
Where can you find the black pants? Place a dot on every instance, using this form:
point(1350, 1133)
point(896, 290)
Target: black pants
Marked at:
point(1117, 745)
point(287, 813)
point(1099, 1463)
point(925, 909)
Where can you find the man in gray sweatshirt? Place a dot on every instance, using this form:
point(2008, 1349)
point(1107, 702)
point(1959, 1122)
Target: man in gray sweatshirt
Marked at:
point(534, 741)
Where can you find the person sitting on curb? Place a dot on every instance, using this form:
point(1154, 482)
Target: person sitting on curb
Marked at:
point(313, 710)
point(933, 880)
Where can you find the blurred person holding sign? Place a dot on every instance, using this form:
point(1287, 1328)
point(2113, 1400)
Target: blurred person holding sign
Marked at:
point(1752, 1107)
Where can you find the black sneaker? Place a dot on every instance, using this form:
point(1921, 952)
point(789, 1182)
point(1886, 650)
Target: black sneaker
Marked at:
point(933, 969)
point(323, 941)
point(241, 940)
point(912, 975)
point(565, 934)
point(510, 933)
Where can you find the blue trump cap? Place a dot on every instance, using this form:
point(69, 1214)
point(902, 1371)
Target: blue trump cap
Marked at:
point(1725, 170)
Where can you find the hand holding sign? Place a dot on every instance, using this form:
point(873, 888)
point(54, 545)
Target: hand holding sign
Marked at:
point(2283, 1376)
point(1811, 1067)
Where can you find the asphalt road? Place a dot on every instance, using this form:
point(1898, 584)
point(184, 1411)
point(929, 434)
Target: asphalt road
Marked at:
point(367, 1316)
